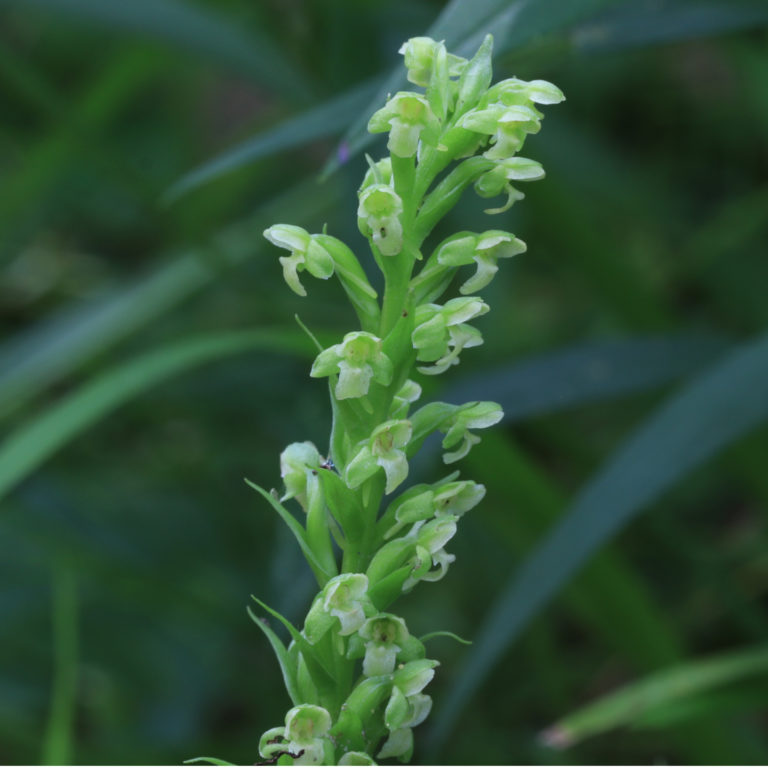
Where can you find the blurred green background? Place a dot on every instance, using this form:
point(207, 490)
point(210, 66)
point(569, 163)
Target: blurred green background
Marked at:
point(142, 377)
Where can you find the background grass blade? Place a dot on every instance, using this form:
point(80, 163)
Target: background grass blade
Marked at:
point(57, 744)
point(190, 26)
point(724, 403)
point(639, 700)
point(59, 344)
point(319, 122)
point(32, 443)
point(587, 373)
point(653, 21)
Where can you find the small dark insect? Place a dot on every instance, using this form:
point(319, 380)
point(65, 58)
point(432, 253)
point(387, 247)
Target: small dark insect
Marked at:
point(273, 760)
point(328, 464)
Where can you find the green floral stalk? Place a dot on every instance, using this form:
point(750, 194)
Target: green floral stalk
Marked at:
point(355, 673)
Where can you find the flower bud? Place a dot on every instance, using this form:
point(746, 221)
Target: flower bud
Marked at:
point(409, 118)
point(357, 360)
point(476, 76)
point(419, 53)
point(378, 217)
point(484, 250)
point(306, 253)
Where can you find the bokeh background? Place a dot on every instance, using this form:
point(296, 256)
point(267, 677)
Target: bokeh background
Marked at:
point(150, 361)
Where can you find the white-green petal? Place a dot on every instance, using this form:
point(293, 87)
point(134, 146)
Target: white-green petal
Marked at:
point(356, 758)
point(290, 266)
point(327, 362)
point(449, 457)
point(404, 138)
point(360, 468)
point(421, 706)
point(399, 743)
point(395, 466)
point(318, 262)
point(354, 380)
point(380, 659)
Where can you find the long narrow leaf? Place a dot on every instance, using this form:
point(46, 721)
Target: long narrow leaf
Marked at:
point(645, 22)
point(726, 402)
point(282, 657)
point(640, 699)
point(298, 532)
point(187, 25)
point(316, 123)
point(35, 441)
point(587, 373)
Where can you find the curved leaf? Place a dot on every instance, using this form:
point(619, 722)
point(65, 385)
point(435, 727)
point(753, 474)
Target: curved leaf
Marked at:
point(326, 119)
point(186, 25)
point(639, 700)
point(35, 441)
point(723, 404)
point(587, 373)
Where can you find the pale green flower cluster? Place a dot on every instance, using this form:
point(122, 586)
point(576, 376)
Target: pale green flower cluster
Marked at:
point(354, 672)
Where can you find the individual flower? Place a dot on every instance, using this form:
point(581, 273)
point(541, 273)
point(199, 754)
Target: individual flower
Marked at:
point(378, 217)
point(409, 119)
point(306, 253)
point(357, 360)
point(431, 538)
point(304, 737)
point(384, 449)
point(457, 429)
point(515, 91)
point(484, 250)
point(420, 53)
point(507, 126)
point(441, 332)
point(384, 636)
point(299, 463)
point(458, 497)
point(498, 180)
point(422, 502)
point(344, 597)
point(306, 727)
